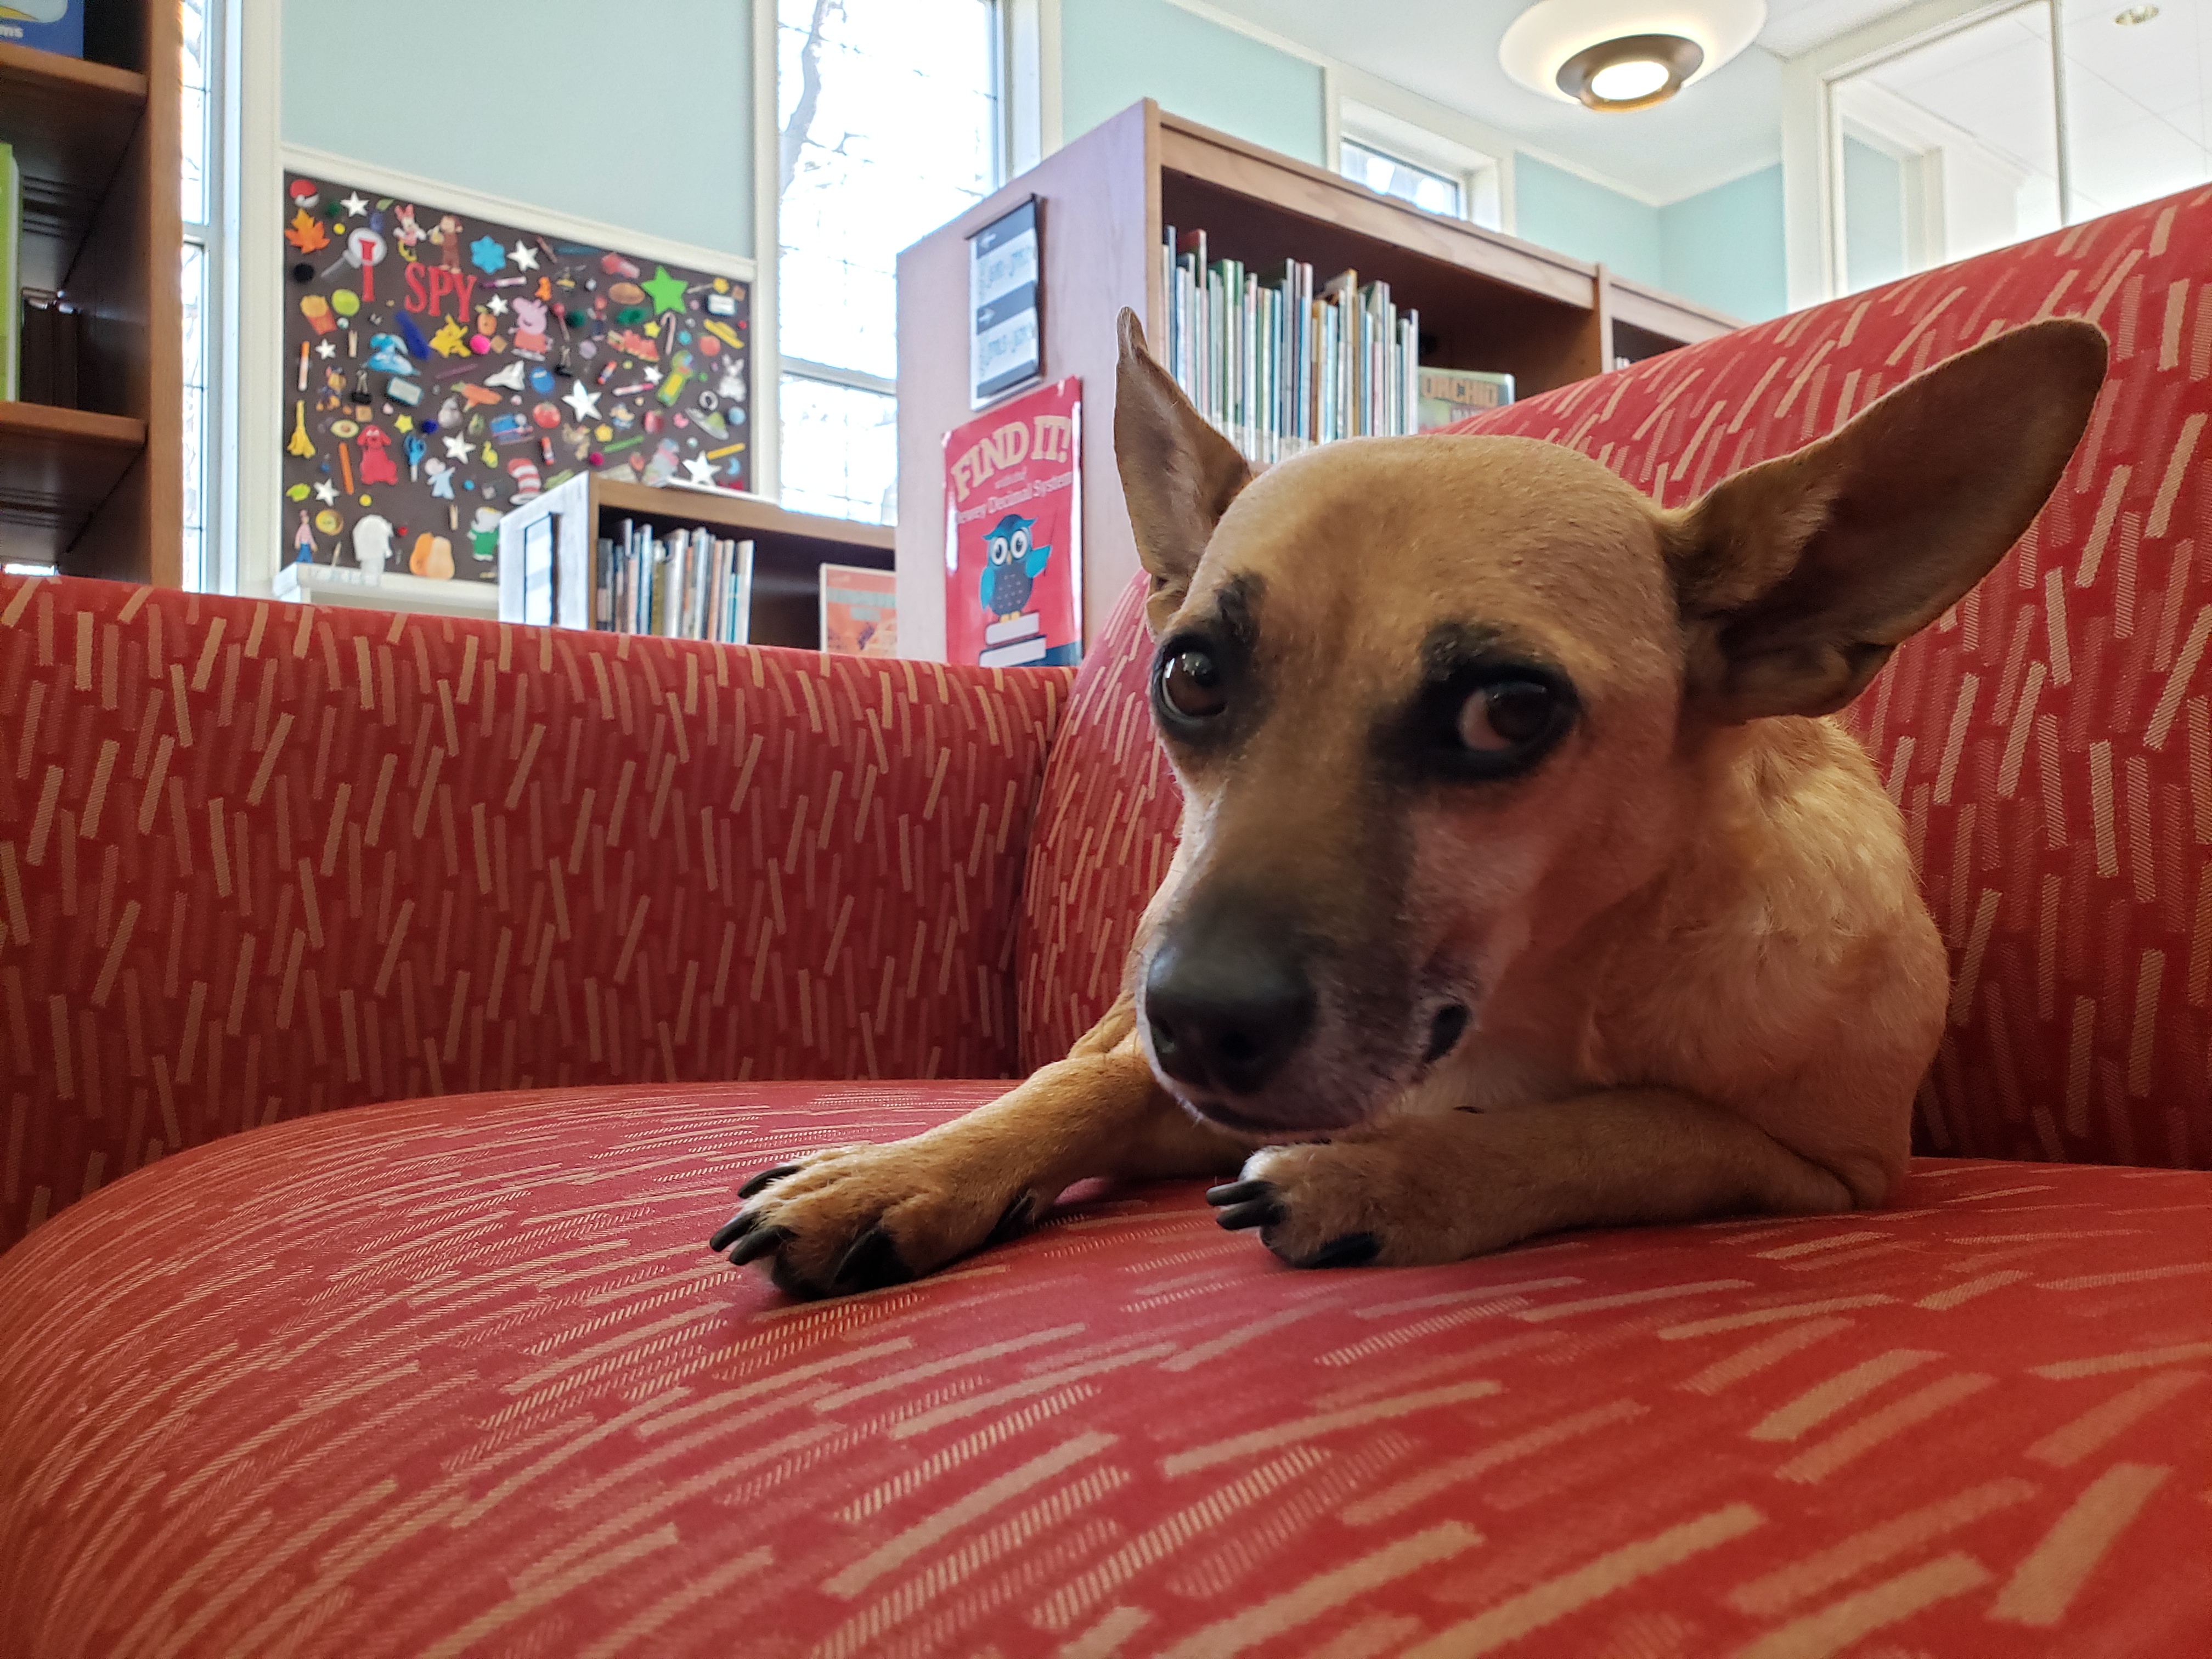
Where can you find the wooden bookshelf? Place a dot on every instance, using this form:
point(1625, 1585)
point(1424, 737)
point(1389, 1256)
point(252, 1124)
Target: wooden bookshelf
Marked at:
point(1486, 300)
point(789, 549)
point(98, 489)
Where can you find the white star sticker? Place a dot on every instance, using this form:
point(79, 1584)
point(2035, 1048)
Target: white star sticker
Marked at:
point(525, 257)
point(325, 348)
point(355, 205)
point(586, 403)
point(496, 305)
point(700, 469)
point(326, 492)
point(652, 375)
point(457, 447)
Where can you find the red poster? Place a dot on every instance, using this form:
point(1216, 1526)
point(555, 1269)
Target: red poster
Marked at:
point(1013, 523)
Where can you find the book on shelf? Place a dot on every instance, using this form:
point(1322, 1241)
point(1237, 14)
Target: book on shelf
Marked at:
point(47, 351)
point(1452, 394)
point(56, 26)
point(682, 585)
point(11, 272)
point(860, 609)
point(1278, 364)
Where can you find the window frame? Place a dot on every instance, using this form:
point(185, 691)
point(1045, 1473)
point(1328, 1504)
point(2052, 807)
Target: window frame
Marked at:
point(1479, 174)
point(1024, 33)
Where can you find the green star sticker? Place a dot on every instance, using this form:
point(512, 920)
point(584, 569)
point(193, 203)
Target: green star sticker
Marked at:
point(667, 291)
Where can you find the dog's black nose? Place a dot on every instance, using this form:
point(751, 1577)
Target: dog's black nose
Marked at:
point(1227, 1003)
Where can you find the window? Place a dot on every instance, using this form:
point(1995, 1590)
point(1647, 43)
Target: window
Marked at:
point(196, 152)
point(1415, 163)
point(2006, 128)
point(889, 124)
point(1393, 175)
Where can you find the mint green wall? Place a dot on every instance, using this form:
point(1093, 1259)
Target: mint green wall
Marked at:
point(1873, 216)
point(1555, 208)
point(643, 124)
point(1723, 247)
point(1112, 52)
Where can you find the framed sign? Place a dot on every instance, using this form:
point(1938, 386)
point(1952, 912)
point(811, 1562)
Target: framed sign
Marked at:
point(1006, 305)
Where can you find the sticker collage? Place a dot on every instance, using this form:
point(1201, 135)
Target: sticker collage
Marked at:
point(440, 370)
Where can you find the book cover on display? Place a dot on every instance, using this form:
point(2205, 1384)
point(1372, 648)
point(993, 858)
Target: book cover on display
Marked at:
point(860, 610)
point(50, 25)
point(1013, 512)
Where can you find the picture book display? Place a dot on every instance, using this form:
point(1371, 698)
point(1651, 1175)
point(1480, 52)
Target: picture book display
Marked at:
point(860, 610)
point(55, 26)
point(439, 370)
point(1013, 521)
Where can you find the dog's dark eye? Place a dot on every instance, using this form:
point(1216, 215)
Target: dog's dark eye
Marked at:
point(1190, 685)
point(1504, 715)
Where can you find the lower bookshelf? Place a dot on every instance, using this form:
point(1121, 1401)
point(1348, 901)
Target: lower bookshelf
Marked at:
point(789, 549)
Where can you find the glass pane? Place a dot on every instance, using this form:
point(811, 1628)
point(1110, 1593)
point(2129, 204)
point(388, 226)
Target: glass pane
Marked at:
point(1950, 149)
point(1393, 177)
point(192, 18)
point(194, 293)
point(888, 113)
point(840, 451)
point(2136, 101)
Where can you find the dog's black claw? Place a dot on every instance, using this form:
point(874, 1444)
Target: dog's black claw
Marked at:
point(767, 1178)
point(872, 1263)
point(1014, 1220)
point(1239, 1192)
point(1352, 1250)
point(753, 1245)
point(733, 1229)
point(1255, 1212)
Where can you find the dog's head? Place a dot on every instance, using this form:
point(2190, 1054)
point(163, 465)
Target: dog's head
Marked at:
point(1437, 702)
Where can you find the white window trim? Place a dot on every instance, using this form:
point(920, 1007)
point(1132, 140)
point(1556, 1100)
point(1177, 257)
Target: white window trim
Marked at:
point(1811, 145)
point(1479, 174)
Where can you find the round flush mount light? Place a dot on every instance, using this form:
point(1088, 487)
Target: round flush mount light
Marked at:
point(1620, 55)
point(1634, 72)
point(2134, 14)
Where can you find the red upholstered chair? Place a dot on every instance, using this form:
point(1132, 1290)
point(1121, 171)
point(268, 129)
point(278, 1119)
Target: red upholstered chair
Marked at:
point(454, 1374)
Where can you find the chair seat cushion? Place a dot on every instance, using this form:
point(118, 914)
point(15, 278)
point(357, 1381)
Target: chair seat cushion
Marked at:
point(459, 1377)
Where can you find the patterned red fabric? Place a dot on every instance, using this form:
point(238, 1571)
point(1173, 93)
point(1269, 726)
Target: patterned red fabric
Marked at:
point(258, 861)
point(457, 1376)
point(2051, 742)
point(1106, 831)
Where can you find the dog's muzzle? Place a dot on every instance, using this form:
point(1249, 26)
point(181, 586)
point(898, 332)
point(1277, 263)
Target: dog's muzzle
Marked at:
point(1226, 1004)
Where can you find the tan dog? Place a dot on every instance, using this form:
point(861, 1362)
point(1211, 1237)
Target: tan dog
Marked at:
point(1516, 861)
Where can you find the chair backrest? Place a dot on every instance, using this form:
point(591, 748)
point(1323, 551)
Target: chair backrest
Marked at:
point(2051, 739)
point(1104, 830)
point(258, 861)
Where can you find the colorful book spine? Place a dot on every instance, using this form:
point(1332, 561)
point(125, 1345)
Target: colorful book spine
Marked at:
point(11, 278)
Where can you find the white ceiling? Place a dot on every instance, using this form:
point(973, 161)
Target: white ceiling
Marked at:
point(1727, 125)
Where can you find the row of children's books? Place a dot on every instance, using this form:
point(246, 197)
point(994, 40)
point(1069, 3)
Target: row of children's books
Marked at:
point(1278, 365)
point(685, 585)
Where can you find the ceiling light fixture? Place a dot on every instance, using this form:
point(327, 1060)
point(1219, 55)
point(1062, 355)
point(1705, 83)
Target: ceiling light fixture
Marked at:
point(1620, 55)
point(2134, 14)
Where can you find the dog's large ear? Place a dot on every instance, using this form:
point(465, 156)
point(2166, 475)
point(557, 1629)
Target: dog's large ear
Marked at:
point(1178, 474)
point(1798, 578)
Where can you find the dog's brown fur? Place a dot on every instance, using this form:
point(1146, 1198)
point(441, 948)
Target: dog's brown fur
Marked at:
point(1700, 977)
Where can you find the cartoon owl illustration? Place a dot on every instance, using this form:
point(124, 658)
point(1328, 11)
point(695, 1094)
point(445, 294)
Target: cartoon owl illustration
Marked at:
point(1014, 566)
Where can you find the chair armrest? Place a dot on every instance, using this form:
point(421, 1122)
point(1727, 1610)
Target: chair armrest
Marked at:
point(258, 860)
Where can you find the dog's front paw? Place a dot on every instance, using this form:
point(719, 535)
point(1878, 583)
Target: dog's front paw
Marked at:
point(862, 1218)
point(1345, 1204)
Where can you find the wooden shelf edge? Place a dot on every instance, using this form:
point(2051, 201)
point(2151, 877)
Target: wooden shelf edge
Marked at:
point(737, 512)
point(27, 66)
point(77, 425)
point(1666, 315)
point(1185, 147)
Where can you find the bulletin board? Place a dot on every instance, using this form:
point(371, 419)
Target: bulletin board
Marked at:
point(439, 368)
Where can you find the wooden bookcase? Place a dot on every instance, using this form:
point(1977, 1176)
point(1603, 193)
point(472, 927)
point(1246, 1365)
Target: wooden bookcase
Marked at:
point(98, 489)
point(789, 549)
point(1486, 300)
